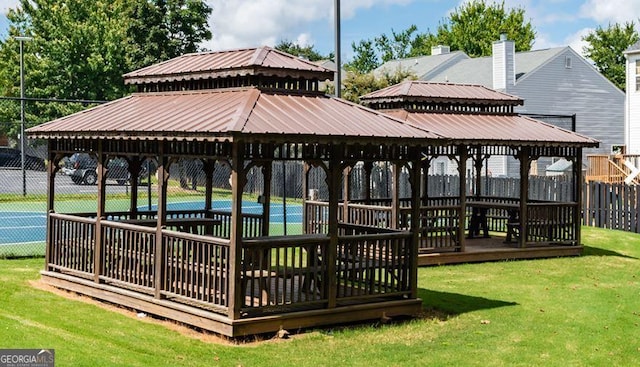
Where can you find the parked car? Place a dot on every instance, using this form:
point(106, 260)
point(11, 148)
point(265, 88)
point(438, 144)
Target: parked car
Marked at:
point(81, 167)
point(11, 158)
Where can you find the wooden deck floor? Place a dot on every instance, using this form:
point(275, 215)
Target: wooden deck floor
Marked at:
point(494, 249)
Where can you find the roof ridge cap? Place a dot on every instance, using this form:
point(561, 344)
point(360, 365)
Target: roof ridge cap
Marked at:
point(259, 55)
point(241, 117)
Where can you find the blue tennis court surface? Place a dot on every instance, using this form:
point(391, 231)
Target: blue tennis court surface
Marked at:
point(27, 227)
point(294, 211)
point(22, 227)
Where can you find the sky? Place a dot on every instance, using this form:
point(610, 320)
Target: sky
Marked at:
point(248, 23)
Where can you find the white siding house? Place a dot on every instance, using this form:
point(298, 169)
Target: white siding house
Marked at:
point(632, 105)
point(554, 81)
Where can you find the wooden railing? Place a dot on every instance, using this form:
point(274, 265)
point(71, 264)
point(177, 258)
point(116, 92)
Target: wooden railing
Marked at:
point(368, 215)
point(316, 217)
point(128, 255)
point(251, 223)
point(71, 244)
point(292, 271)
point(610, 168)
point(373, 265)
point(284, 271)
point(551, 222)
point(440, 225)
point(196, 269)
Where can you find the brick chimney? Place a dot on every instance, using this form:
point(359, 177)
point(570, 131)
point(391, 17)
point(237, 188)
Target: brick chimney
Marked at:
point(504, 65)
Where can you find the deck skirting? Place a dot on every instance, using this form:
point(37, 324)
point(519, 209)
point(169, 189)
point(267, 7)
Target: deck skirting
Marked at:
point(221, 324)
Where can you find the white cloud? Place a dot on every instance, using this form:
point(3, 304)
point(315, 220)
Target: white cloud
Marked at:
point(575, 40)
point(249, 23)
point(611, 11)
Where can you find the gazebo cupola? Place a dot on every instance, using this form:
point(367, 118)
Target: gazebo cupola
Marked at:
point(421, 96)
point(264, 68)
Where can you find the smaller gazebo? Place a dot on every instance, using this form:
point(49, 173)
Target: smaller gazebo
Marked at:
point(481, 123)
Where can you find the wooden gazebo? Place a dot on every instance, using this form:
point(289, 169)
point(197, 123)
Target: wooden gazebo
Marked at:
point(481, 123)
point(225, 270)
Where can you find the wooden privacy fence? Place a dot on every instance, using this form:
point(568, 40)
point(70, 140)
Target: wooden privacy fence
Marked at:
point(612, 206)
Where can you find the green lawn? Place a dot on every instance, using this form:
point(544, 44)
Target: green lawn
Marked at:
point(557, 312)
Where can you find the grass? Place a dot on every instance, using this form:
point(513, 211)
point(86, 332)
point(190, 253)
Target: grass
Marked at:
point(581, 311)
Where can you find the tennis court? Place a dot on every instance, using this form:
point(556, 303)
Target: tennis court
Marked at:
point(30, 227)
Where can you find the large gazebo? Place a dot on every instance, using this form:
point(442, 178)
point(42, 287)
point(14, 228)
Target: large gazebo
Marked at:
point(225, 270)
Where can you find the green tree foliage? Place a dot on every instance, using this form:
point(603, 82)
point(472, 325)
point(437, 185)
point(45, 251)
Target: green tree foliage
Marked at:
point(606, 46)
point(475, 25)
point(472, 28)
point(306, 52)
point(80, 49)
point(401, 45)
point(365, 59)
point(163, 29)
point(357, 84)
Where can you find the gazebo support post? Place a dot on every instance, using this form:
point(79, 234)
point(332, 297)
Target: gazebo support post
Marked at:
point(346, 187)
point(236, 298)
point(395, 199)
point(305, 196)
point(163, 176)
point(134, 174)
point(426, 164)
point(477, 163)
point(208, 166)
point(525, 164)
point(334, 174)
point(414, 180)
point(100, 214)
point(368, 167)
point(267, 169)
point(52, 169)
point(578, 182)
point(463, 155)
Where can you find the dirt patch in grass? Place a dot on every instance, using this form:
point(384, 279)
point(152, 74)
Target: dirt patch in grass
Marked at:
point(184, 330)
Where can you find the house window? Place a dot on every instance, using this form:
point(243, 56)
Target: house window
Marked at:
point(637, 75)
point(568, 62)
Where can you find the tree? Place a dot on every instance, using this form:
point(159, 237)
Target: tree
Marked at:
point(400, 45)
point(163, 29)
point(80, 49)
point(474, 26)
point(365, 59)
point(606, 46)
point(369, 54)
point(306, 52)
point(357, 84)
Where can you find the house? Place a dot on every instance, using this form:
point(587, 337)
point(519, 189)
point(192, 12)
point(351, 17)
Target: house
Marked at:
point(632, 102)
point(557, 82)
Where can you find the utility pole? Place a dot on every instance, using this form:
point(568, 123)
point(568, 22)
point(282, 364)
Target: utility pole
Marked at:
point(23, 140)
point(338, 82)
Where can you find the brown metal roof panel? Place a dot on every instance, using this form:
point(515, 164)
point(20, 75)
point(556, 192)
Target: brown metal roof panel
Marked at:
point(494, 128)
point(325, 116)
point(212, 112)
point(223, 111)
point(198, 63)
point(441, 91)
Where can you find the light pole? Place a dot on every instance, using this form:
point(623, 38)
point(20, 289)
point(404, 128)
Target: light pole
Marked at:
point(23, 144)
point(338, 81)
